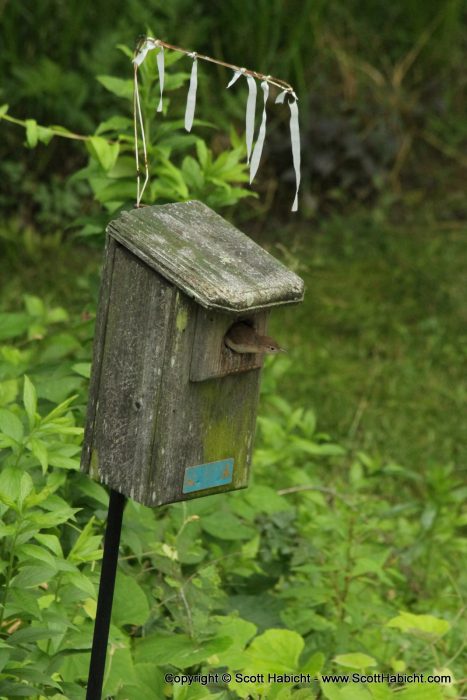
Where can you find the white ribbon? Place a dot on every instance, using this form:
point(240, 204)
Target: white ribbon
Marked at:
point(142, 53)
point(161, 69)
point(255, 158)
point(250, 114)
point(295, 138)
point(236, 76)
point(281, 97)
point(191, 98)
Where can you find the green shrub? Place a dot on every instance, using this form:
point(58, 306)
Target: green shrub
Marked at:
point(320, 566)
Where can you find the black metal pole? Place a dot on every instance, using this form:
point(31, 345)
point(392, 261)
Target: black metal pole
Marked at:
point(106, 593)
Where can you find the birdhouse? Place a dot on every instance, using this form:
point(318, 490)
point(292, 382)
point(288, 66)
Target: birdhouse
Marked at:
point(172, 409)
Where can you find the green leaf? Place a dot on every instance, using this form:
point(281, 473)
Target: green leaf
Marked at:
point(119, 671)
point(314, 664)
point(32, 634)
point(11, 425)
point(266, 500)
point(240, 632)
point(61, 461)
point(44, 134)
point(178, 650)
point(21, 601)
point(357, 660)
point(115, 123)
point(354, 691)
point(130, 605)
point(33, 551)
point(426, 626)
point(81, 582)
point(83, 369)
point(105, 152)
point(13, 325)
point(421, 691)
point(117, 86)
point(226, 526)
point(192, 173)
point(32, 575)
point(25, 487)
point(10, 485)
point(56, 389)
point(276, 650)
point(34, 305)
point(4, 110)
point(150, 682)
point(87, 547)
point(39, 450)
point(31, 133)
point(29, 400)
point(51, 542)
point(10, 689)
point(8, 391)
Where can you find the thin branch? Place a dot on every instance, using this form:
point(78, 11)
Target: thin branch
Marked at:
point(282, 84)
point(309, 487)
point(54, 132)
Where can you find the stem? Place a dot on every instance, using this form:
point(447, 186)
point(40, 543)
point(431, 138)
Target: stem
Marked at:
point(8, 574)
point(347, 567)
point(56, 132)
point(57, 587)
point(282, 84)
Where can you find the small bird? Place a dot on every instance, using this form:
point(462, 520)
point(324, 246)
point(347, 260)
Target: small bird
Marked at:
point(243, 339)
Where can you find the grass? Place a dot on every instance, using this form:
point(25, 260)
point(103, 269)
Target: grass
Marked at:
point(379, 348)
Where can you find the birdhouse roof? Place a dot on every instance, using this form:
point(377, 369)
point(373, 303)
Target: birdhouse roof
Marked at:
point(206, 257)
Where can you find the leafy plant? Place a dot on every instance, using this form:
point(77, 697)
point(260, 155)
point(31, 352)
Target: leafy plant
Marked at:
point(176, 175)
point(319, 538)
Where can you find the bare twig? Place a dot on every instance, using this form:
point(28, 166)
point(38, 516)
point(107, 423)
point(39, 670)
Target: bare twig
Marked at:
point(281, 84)
point(55, 132)
point(309, 487)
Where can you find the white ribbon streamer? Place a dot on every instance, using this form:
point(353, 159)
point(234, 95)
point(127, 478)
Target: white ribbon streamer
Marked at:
point(191, 98)
point(281, 97)
point(250, 114)
point(258, 149)
point(161, 69)
point(295, 138)
point(236, 76)
point(141, 55)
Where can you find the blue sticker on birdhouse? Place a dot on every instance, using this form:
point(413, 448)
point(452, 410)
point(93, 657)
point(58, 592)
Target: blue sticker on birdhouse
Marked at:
point(207, 476)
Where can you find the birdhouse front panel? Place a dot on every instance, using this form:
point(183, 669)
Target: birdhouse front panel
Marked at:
point(172, 409)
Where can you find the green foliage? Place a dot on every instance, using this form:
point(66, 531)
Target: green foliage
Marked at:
point(380, 85)
point(321, 539)
point(175, 174)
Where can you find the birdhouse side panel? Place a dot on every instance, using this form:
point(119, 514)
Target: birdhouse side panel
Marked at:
point(130, 378)
point(201, 423)
point(98, 349)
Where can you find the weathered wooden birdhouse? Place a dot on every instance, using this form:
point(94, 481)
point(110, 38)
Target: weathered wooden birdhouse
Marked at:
point(172, 409)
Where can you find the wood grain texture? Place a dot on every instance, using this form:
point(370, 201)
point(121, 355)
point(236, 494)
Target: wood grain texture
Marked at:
point(206, 257)
point(151, 421)
point(166, 394)
point(98, 347)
